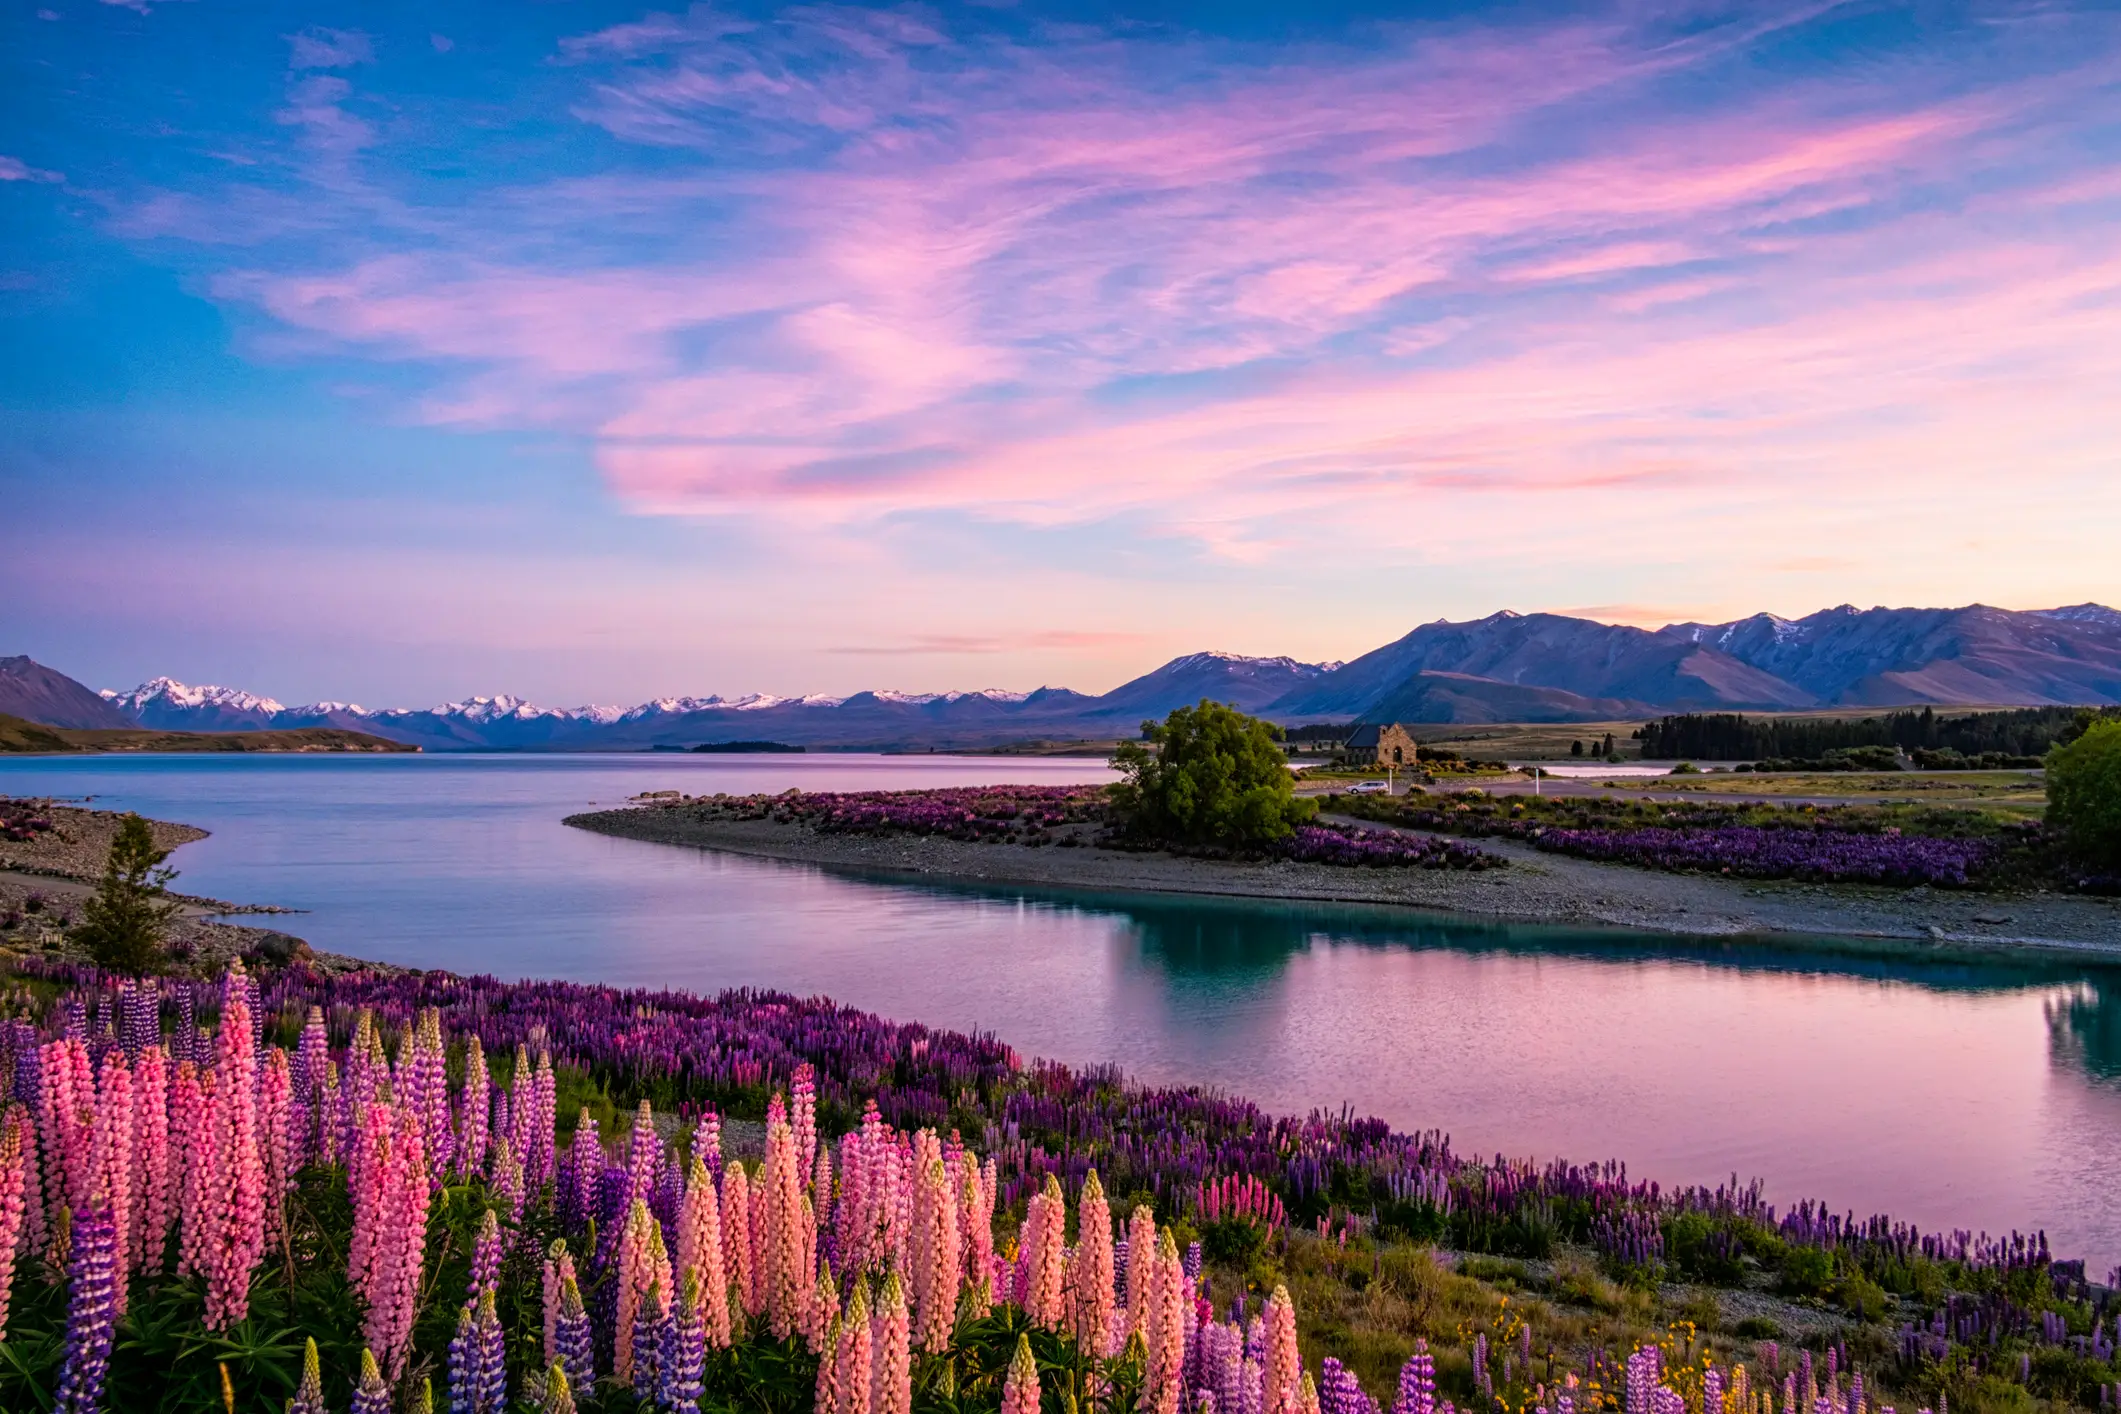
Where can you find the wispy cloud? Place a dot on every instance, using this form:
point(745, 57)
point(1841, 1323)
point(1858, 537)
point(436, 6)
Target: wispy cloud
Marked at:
point(958, 644)
point(14, 169)
point(1238, 294)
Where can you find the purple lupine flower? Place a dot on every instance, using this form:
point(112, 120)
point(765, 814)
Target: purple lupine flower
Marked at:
point(90, 1314)
point(650, 1321)
point(371, 1395)
point(1338, 1391)
point(478, 1360)
point(686, 1358)
point(309, 1394)
point(486, 1254)
point(1417, 1382)
point(573, 1341)
point(140, 1025)
point(1191, 1261)
point(1645, 1370)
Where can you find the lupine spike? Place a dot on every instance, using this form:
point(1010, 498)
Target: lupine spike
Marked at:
point(309, 1394)
point(91, 1314)
point(1020, 1388)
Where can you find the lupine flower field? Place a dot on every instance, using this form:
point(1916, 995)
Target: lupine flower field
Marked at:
point(1901, 846)
point(1066, 816)
point(421, 1192)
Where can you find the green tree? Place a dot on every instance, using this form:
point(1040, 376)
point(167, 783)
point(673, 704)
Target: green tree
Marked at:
point(121, 925)
point(1216, 776)
point(2084, 794)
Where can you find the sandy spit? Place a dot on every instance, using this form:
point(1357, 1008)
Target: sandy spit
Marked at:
point(1536, 888)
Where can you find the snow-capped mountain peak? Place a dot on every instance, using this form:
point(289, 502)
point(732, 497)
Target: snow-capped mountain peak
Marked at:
point(168, 693)
point(2082, 614)
point(1213, 657)
point(481, 710)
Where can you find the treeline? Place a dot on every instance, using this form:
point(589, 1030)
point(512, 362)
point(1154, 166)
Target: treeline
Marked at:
point(1726, 736)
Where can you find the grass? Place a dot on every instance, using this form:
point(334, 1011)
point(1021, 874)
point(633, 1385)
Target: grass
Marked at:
point(2016, 794)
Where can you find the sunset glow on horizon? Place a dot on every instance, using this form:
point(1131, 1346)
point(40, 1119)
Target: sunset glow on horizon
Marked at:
point(593, 352)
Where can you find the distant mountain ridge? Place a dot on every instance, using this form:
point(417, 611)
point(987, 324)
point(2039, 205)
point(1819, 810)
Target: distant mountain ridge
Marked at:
point(35, 693)
point(1505, 667)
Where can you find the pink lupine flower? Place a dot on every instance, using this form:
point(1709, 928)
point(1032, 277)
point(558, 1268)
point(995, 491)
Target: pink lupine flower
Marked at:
point(538, 1160)
point(975, 1220)
point(522, 1102)
point(235, 1190)
point(643, 1265)
point(782, 1275)
point(1090, 1275)
point(16, 1154)
point(851, 1373)
point(1282, 1365)
point(891, 1358)
point(67, 1116)
point(1164, 1330)
point(821, 1321)
point(329, 1146)
point(736, 1238)
point(700, 1250)
point(854, 1185)
point(474, 1111)
point(112, 1165)
point(192, 1161)
point(391, 1190)
point(1020, 1388)
point(803, 1116)
point(276, 1091)
point(937, 1258)
point(1141, 1253)
point(1044, 1237)
point(153, 1191)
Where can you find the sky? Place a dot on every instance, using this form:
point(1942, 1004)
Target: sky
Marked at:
point(588, 352)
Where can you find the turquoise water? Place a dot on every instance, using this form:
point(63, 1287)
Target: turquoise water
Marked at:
point(1949, 1094)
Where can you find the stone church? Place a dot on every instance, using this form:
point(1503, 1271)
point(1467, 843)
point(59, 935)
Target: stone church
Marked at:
point(1388, 744)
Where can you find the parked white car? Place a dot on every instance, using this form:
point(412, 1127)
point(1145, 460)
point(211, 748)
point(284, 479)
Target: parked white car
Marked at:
point(1367, 788)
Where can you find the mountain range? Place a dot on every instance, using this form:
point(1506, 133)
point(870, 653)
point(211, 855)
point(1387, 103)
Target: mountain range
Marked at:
point(1506, 667)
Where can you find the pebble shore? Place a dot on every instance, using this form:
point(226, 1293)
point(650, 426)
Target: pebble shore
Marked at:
point(1536, 888)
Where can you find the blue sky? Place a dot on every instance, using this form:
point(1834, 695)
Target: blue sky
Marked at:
point(597, 352)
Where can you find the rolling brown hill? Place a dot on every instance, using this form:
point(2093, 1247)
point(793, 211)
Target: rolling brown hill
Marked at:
point(17, 735)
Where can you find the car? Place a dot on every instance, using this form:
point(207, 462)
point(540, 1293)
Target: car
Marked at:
point(1367, 788)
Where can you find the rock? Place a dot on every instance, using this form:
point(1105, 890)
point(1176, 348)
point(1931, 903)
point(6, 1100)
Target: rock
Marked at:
point(280, 949)
point(1936, 932)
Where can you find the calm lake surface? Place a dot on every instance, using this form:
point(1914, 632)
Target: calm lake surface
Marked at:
point(1948, 1094)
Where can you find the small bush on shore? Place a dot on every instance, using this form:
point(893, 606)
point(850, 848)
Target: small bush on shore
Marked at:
point(2084, 794)
point(1216, 776)
point(122, 922)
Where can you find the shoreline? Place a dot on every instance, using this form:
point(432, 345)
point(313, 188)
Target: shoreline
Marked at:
point(61, 868)
point(1536, 888)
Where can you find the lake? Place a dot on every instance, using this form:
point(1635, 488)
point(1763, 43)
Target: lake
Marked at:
point(1948, 1094)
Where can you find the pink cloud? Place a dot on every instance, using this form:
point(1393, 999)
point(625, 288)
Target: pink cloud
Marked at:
point(1032, 288)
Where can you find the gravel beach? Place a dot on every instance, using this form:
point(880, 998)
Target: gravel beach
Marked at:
point(45, 879)
point(1536, 888)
